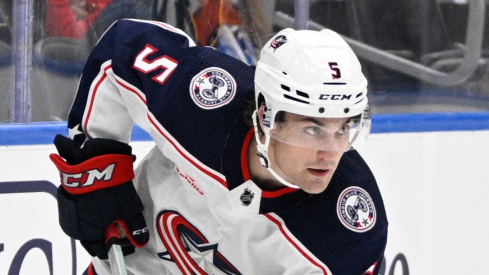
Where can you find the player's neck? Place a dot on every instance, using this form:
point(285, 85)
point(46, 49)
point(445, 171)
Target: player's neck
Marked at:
point(258, 173)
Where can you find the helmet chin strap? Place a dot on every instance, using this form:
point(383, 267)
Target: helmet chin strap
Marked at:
point(262, 149)
point(279, 178)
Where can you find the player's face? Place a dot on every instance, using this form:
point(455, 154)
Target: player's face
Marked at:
point(300, 161)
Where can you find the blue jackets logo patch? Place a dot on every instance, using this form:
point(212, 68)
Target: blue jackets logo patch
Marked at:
point(188, 248)
point(278, 41)
point(356, 209)
point(212, 88)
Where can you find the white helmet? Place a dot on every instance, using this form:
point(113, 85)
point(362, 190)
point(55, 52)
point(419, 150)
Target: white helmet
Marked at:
point(313, 74)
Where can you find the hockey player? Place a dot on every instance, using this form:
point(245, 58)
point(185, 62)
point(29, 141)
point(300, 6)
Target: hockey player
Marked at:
point(216, 195)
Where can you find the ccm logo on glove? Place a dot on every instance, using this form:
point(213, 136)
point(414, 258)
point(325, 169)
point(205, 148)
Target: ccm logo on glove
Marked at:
point(140, 231)
point(94, 174)
point(87, 178)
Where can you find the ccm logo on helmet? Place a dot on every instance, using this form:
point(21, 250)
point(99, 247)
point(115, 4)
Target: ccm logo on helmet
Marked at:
point(87, 178)
point(334, 97)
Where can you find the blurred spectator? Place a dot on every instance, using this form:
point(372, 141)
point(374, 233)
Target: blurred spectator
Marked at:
point(5, 21)
point(113, 11)
point(235, 27)
point(71, 18)
point(210, 15)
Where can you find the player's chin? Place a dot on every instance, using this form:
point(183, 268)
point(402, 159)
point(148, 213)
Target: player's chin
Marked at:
point(315, 181)
point(315, 186)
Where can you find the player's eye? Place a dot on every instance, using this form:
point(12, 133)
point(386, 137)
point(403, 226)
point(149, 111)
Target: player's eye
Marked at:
point(345, 129)
point(312, 130)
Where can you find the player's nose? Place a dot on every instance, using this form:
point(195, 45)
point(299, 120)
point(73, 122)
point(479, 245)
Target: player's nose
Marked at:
point(328, 154)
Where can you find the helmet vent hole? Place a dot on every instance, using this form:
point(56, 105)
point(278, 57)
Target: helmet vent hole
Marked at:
point(321, 110)
point(347, 110)
point(284, 73)
point(299, 93)
point(286, 88)
point(359, 95)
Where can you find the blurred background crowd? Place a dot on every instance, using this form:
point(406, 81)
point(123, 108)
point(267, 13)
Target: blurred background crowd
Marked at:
point(418, 55)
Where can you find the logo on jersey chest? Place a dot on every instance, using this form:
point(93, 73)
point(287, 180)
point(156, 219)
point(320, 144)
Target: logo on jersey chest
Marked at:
point(188, 248)
point(356, 209)
point(212, 88)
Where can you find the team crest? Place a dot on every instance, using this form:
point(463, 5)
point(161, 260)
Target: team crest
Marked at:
point(278, 41)
point(212, 88)
point(356, 209)
point(188, 247)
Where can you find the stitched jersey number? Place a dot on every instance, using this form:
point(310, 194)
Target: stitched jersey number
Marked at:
point(165, 62)
point(336, 71)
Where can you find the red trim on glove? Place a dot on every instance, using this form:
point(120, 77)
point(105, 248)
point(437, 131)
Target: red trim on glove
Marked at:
point(114, 232)
point(94, 174)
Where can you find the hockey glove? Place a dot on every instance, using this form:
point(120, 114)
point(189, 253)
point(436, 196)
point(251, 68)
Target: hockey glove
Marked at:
point(96, 191)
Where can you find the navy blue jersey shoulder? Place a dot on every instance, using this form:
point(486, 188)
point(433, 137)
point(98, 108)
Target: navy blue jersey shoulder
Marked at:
point(344, 251)
point(120, 45)
point(205, 133)
point(202, 130)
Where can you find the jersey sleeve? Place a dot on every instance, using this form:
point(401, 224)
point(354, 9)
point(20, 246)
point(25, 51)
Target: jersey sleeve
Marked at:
point(113, 90)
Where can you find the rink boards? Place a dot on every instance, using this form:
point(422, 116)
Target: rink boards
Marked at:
point(431, 169)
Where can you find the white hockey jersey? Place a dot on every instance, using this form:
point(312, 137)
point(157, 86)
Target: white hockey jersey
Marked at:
point(204, 214)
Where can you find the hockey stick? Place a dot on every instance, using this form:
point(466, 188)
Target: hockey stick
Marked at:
point(116, 259)
point(114, 238)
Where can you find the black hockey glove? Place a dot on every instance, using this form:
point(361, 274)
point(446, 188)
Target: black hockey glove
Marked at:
point(96, 192)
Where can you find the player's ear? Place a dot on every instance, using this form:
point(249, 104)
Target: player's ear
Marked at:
point(262, 116)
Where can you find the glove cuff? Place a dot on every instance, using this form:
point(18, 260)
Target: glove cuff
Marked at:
point(95, 173)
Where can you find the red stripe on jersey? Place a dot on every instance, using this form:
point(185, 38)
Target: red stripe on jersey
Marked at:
point(246, 171)
point(131, 90)
point(196, 165)
point(244, 155)
point(289, 238)
point(156, 126)
point(165, 26)
point(128, 88)
point(278, 193)
point(92, 99)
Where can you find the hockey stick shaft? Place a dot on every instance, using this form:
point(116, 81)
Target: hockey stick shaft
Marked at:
point(113, 238)
point(116, 259)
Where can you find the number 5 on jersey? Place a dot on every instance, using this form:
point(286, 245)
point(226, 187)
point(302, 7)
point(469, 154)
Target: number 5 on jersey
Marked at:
point(166, 63)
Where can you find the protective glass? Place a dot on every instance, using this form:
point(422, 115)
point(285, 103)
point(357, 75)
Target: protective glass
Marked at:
point(324, 134)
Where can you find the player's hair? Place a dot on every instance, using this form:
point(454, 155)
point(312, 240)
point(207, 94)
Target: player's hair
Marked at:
point(250, 108)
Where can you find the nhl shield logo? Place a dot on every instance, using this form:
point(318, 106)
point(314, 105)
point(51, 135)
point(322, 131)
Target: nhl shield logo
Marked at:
point(212, 88)
point(356, 209)
point(246, 197)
